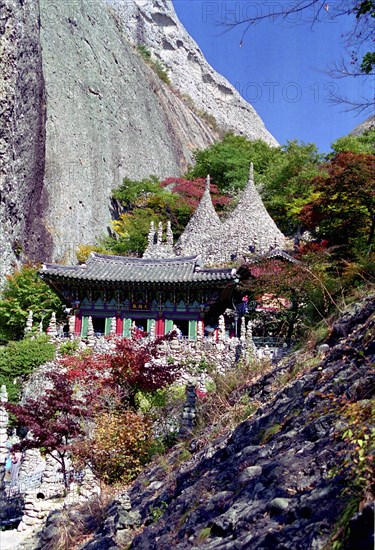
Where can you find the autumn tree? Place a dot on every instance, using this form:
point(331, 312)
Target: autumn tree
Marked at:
point(117, 377)
point(342, 205)
point(191, 192)
point(302, 290)
point(55, 420)
point(118, 446)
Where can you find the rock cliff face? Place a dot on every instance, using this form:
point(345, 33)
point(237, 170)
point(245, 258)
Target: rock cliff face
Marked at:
point(22, 131)
point(80, 110)
point(155, 24)
point(108, 116)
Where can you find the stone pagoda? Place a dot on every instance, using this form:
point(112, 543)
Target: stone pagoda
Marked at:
point(204, 224)
point(248, 230)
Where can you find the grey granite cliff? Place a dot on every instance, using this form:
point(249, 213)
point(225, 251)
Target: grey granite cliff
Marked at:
point(155, 24)
point(22, 132)
point(80, 110)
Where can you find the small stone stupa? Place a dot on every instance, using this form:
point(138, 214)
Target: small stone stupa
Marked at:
point(157, 247)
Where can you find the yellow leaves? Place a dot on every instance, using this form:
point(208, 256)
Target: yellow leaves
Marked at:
point(119, 445)
point(84, 250)
point(120, 225)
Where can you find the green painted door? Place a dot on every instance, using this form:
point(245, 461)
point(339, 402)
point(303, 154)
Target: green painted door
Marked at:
point(168, 326)
point(84, 327)
point(107, 326)
point(127, 328)
point(192, 330)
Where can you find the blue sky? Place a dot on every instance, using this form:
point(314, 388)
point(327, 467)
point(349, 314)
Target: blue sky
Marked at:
point(280, 68)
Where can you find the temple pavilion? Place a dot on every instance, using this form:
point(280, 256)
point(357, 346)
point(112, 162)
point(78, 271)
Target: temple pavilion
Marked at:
point(164, 292)
point(171, 284)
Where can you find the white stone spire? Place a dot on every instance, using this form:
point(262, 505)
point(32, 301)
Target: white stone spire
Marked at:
point(160, 234)
point(169, 234)
point(250, 226)
point(199, 230)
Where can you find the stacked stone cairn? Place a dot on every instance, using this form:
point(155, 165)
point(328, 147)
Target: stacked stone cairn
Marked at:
point(36, 510)
point(90, 334)
point(113, 327)
point(202, 227)
point(71, 324)
point(29, 322)
point(189, 411)
point(248, 229)
point(152, 329)
point(4, 419)
point(157, 247)
point(52, 327)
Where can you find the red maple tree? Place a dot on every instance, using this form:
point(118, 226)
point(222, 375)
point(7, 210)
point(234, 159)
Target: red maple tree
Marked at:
point(192, 191)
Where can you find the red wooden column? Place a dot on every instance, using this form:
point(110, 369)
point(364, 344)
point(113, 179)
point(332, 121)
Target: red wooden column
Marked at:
point(78, 325)
point(119, 326)
point(159, 328)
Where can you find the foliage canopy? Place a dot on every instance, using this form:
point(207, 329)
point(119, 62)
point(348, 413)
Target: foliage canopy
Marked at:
point(24, 291)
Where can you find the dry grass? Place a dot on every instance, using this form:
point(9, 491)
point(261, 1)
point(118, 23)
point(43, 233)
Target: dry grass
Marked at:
point(76, 524)
point(228, 403)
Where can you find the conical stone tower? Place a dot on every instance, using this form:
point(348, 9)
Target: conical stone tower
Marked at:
point(249, 228)
point(202, 227)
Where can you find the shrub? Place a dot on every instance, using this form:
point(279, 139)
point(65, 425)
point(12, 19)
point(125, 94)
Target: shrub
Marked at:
point(118, 447)
point(155, 64)
point(20, 358)
point(69, 348)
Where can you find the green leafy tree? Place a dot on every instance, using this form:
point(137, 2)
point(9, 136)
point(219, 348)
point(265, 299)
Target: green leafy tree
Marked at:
point(141, 202)
point(228, 160)
point(24, 291)
point(365, 143)
point(287, 183)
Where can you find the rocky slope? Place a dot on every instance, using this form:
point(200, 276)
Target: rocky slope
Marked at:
point(277, 481)
point(80, 110)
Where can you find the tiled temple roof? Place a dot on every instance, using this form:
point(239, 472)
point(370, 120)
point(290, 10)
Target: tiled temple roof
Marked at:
point(121, 269)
